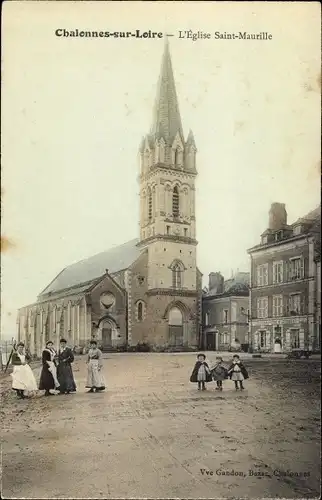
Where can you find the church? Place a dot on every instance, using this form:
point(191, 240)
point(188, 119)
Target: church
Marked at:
point(147, 290)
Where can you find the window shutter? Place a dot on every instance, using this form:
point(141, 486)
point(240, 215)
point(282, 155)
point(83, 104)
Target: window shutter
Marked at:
point(302, 267)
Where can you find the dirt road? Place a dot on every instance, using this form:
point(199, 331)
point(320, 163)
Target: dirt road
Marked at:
point(152, 434)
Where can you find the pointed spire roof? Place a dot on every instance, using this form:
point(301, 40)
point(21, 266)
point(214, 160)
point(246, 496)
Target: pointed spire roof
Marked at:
point(191, 139)
point(166, 116)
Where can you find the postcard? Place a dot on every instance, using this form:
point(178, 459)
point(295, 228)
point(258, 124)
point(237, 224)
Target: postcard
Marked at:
point(161, 229)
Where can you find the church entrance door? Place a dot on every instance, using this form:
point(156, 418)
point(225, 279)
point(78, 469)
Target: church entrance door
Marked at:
point(106, 338)
point(175, 335)
point(175, 327)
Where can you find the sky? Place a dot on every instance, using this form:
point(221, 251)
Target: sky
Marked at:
point(74, 111)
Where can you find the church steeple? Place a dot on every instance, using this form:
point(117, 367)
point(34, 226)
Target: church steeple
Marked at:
point(167, 170)
point(164, 146)
point(166, 115)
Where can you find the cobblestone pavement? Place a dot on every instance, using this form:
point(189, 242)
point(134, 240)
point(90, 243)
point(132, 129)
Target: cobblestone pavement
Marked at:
point(153, 435)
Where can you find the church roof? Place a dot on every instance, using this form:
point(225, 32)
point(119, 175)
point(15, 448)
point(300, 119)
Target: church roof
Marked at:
point(113, 260)
point(166, 115)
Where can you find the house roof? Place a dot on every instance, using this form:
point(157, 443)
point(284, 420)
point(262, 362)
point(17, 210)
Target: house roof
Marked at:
point(113, 260)
point(312, 217)
point(239, 281)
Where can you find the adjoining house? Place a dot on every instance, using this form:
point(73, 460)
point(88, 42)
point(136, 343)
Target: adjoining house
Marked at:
point(225, 311)
point(285, 284)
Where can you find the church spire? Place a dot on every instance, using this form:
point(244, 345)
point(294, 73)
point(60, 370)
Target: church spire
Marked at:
point(166, 116)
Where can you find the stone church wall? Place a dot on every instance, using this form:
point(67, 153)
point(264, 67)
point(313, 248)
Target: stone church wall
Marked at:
point(117, 311)
point(139, 288)
point(157, 325)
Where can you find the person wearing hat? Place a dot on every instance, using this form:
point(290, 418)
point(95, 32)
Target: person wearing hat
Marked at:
point(23, 379)
point(95, 381)
point(64, 370)
point(201, 372)
point(48, 377)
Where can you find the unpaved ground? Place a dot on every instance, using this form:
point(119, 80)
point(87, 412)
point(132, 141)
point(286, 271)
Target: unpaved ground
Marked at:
point(152, 432)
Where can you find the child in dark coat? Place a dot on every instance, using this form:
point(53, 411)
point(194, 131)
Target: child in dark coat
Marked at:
point(201, 372)
point(238, 372)
point(219, 373)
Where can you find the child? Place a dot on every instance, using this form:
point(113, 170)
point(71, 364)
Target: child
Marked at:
point(201, 372)
point(219, 373)
point(238, 372)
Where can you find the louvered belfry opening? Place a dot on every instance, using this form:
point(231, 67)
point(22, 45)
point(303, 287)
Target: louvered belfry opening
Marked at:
point(175, 202)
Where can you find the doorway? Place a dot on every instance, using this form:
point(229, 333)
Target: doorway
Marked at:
point(175, 327)
point(210, 341)
point(106, 337)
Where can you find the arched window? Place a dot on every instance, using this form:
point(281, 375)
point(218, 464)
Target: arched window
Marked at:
point(54, 319)
point(175, 327)
point(176, 276)
point(149, 204)
point(177, 269)
point(140, 311)
point(175, 157)
point(175, 202)
point(69, 316)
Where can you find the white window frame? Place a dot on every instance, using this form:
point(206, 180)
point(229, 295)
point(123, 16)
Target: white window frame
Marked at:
point(262, 307)
point(296, 274)
point(278, 271)
point(277, 306)
point(262, 275)
point(298, 306)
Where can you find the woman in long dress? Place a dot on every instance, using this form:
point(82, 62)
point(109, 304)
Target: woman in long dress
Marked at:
point(64, 369)
point(23, 379)
point(95, 380)
point(48, 377)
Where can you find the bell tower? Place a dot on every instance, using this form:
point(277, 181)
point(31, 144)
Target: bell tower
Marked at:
point(167, 214)
point(167, 175)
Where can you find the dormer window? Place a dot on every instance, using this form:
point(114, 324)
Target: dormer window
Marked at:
point(264, 240)
point(297, 230)
point(279, 236)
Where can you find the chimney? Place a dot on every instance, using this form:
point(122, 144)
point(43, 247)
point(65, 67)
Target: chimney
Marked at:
point(277, 216)
point(216, 283)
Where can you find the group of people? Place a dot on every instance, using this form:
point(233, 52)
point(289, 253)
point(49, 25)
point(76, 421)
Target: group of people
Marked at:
point(219, 372)
point(56, 374)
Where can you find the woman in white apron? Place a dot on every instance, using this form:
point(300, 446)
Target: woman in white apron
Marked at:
point(23, 379)
point(95, 381)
